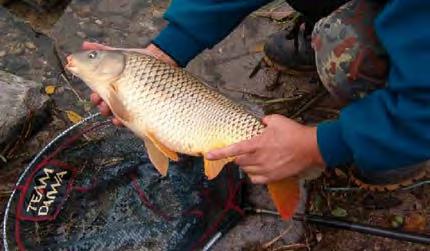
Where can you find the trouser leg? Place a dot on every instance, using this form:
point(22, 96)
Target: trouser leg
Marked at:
point(349, 58)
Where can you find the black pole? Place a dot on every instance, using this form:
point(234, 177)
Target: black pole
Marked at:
point(364, 228)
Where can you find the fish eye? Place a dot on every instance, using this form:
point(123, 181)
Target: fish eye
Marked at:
point(92, 55)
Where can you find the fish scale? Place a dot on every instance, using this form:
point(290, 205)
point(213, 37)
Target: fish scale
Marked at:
point(166, 96)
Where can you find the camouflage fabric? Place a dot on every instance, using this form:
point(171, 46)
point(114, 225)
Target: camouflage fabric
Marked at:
point(350, 60)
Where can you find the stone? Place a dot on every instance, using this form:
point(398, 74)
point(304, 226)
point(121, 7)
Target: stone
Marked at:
point(81, 34)
point(21, 49)
point(93, 31)
point(244, 234)
point(22, 106)
point(17, 49)
point(98, 21)
point(30, 45)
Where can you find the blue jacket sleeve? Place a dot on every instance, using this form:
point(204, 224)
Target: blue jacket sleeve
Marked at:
point(195, 25)
point(391, 127)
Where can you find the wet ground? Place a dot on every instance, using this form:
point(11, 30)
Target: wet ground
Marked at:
point(35, 42)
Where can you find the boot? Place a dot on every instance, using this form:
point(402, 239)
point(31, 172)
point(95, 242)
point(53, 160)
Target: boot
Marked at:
point(291, 49)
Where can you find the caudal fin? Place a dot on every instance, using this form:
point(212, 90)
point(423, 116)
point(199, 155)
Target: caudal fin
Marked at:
point(286, 195)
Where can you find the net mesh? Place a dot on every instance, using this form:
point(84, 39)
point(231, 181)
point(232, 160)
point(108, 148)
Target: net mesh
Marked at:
point(94, 188)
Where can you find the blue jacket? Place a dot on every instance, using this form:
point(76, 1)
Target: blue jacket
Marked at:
point(389, 128)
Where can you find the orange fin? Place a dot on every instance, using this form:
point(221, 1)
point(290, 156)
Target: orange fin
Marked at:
point(286, 195)
point(214, 167)
point(162, 148)
point(160, 161)
point(116, 105)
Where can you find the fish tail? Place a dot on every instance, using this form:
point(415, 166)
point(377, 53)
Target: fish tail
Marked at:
point(286, 196)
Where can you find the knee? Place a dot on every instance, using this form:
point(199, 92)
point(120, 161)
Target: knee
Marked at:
point(335, 47)
point(349, 58)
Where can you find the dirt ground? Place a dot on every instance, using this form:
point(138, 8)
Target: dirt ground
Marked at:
point(226, 67)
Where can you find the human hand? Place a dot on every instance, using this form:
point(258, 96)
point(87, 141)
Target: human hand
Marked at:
point(151, 50)
point(285, 148)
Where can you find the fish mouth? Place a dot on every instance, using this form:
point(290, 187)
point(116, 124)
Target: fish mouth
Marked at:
point(70, 65)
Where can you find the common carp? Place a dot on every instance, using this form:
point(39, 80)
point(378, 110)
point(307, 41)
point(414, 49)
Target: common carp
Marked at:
point(174, 112)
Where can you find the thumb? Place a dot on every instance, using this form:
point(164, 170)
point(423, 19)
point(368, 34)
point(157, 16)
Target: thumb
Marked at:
point(94, 46)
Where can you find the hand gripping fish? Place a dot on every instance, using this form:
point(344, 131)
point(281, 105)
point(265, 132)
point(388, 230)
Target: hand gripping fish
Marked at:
point(173, 112)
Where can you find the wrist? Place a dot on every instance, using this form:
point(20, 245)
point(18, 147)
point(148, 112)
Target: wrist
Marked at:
point(160, 54)
point(315, 157)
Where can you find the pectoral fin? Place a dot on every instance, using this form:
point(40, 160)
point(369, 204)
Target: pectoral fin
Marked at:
point(117, 106)
point(286, 195)
point(160, 161)
point(162, 148)
point(214, 167)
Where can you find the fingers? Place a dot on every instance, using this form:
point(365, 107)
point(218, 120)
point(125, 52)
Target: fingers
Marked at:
point(94, 46)
point(95, 98)
point(116, 122)
point(98, 101)
point(104, 109)
point(244, 147)
point(247, 160)
point(258, 179)
point(252, 170)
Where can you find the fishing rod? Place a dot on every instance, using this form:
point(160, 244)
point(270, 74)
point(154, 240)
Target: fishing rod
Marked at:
point(364, 228)
point(352, 226)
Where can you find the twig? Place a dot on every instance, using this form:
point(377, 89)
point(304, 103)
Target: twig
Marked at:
point(276, 83)
point(326, 110)
point(70, 87)
point(5, 193)
point(257, 68)
point(286, 231)
point(3, 158)
point(309, 104)
point(341, 189)
point(243, 92)
point(261, 211)
point(418, 184)
point(113, 161)
point(291, 247)
point(279, 100)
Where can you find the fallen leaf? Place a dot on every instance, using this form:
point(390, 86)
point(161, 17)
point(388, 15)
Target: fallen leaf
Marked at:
point(339, 212)
point(397, 221)
point(50, 89)
point(415, 222)
point(259, 47)
point(74, 117)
